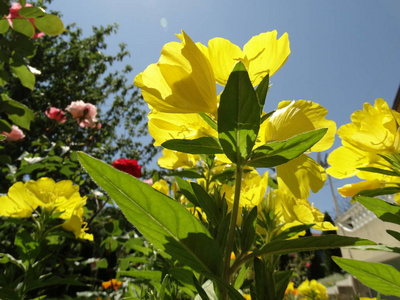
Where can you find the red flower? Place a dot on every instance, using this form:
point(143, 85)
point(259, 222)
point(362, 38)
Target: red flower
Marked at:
point(129, 166)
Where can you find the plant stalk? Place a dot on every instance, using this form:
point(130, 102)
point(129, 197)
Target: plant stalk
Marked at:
point(231, 234)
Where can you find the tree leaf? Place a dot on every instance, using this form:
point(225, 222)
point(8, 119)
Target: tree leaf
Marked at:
point(18, 113)
point(277, 153)
point(385, 279)
point(25, 76)
point(31, 12)
point(23, 26)
point(309, 244)
point(50, 24)
point(238, 116)
point(163, 221)
point(4, 25)
point(383, 210)
point(203, 145)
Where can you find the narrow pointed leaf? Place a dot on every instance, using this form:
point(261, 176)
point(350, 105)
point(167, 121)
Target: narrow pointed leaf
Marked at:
point(207, 203)
point(383, 210)
point(238, 116)
point(309, 244)
point(262, 91)
point(209, 121)
point(163, 221)
point(379, 171)
point(277, 153)
point(203, 145)
point(384, 279)
point(379, 192)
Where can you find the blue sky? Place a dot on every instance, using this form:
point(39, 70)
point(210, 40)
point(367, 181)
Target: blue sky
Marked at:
point(343, 53)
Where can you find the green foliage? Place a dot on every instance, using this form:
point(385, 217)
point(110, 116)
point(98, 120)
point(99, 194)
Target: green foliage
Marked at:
point(238, 116)
point(383, 278)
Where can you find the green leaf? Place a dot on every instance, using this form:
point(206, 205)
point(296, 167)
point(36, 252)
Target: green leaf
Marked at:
point(293, 231)
point(385, 279)
point(262, 91)
point(281, 282)
point(18, 113)
point(161, 294)
point(265, 116)
point(4, 25)
point(5, 126)
point(242, 275)
point(151, 275)
point(383, 210)
point(248, 233)
point(23, 26)
point(25, 76)
point(52, 281)
point(203, 145)
point(264, 282)
point(50, 24)
point(163, 221)
point(187, 173)
point(28, 248)
point(31, 12)
point(184, 276)
point(209, 121)
point(379, 171)
point(4, 77)
point(394, 234)
point(238, 116)
point(378, 192)
point(203, 295)
point(207, 203)
point(8, 258)
point(186, 189)
point(277, 153)
point(309, 244)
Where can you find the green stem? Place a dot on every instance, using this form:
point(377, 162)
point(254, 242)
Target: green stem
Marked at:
point(231, 234)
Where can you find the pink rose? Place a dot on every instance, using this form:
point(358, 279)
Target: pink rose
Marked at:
point(15, 7)
point(84, 113)
point(14, 135)
point(129, 166)
point(149, 181)
point(56, 114)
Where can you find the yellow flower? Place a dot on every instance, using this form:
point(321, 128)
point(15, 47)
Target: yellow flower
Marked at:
point(161, 186)
point(373, 131)
point(174, 160)
point(253, 189)
point(24, 198)
point(166, 126)
point(313, 290)
point(290, 289)
point(349, 190)
point(263, 54)
point(181, 82)
point(247, 296)
point(292, 212)
point(184, 79)
point(291, 118)
point(78, 227)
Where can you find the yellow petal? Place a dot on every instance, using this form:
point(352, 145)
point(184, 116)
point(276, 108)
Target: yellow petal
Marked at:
point(266, 54)
point(349, 190)
point(299, 175)
point(223, 56)
point(182, 81)
point(161, 186)
point(174, 160)
point(166, 126)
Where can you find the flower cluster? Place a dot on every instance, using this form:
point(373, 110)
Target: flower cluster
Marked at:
point(58, 197)
point(84, 114)
point(183, 84)
point(310, 290)
point(373, 133)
